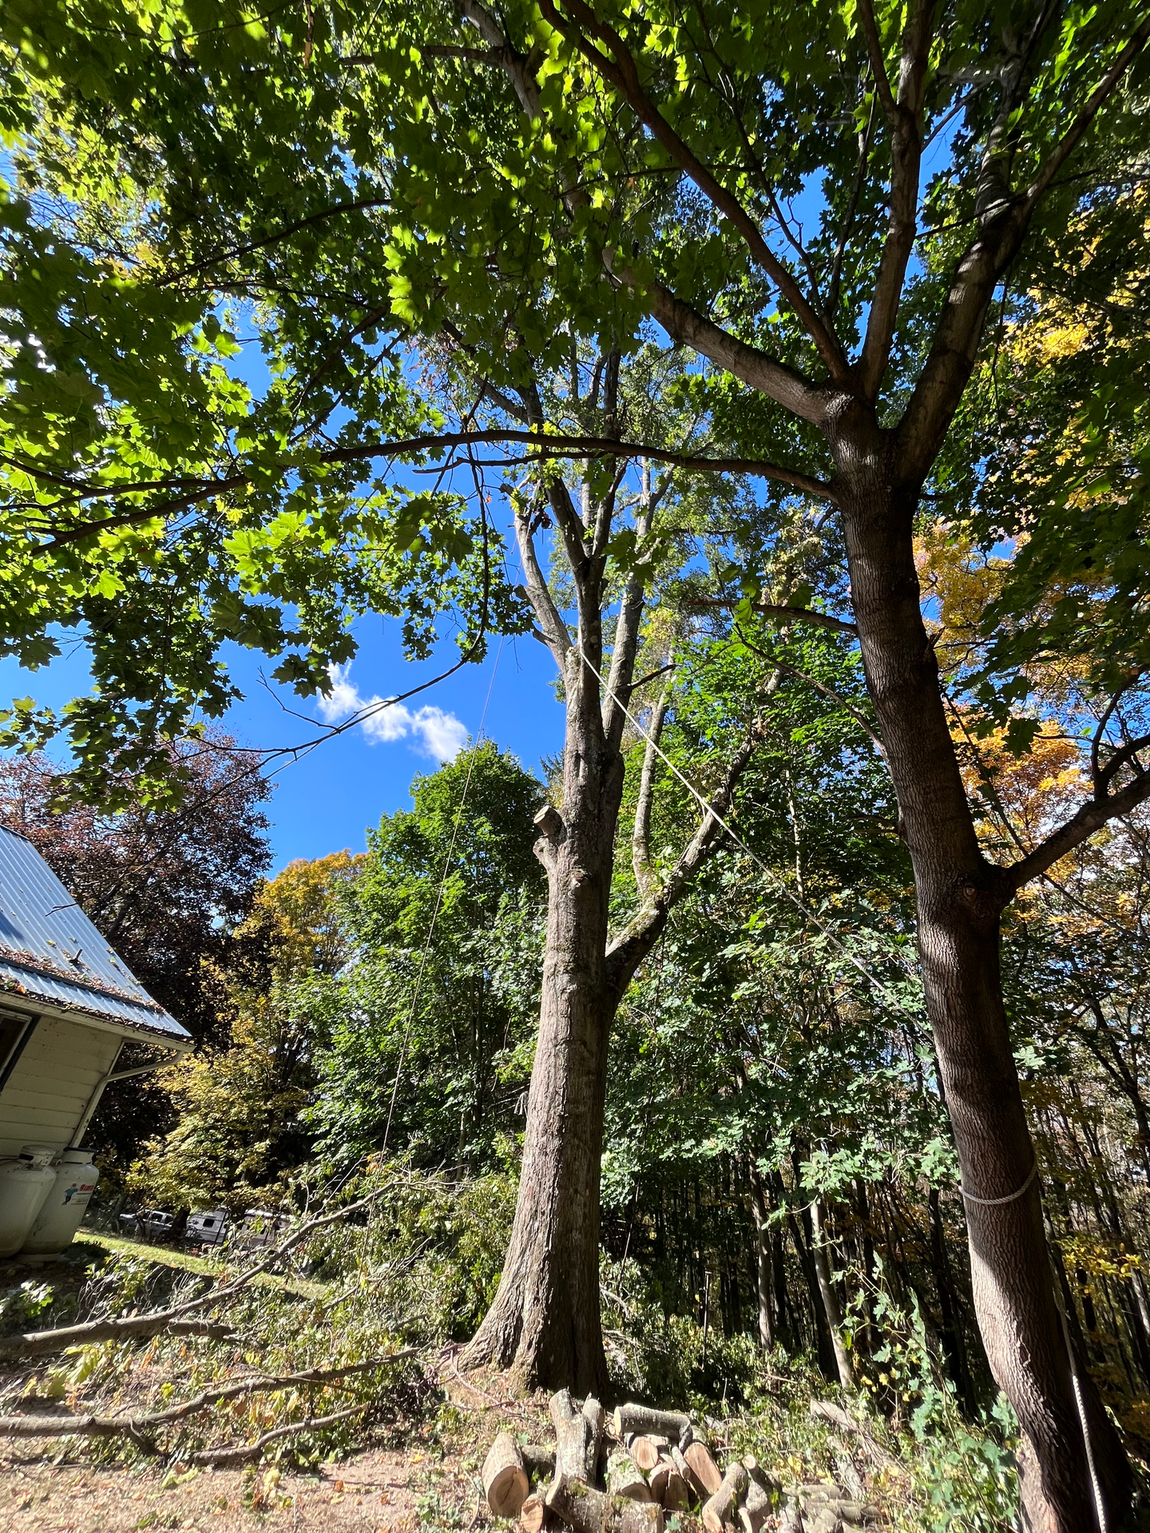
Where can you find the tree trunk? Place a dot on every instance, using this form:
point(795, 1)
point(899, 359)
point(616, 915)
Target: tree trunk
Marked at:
point(960, 899)
point(545, 1320)
point(763, 1273)
point(829, 1297)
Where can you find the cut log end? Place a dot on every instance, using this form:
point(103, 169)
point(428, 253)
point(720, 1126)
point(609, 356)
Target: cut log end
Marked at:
point(504, 1477)
point(704, 1472)
point(624, 1479)
point(533, 1514)
point(646, 1451)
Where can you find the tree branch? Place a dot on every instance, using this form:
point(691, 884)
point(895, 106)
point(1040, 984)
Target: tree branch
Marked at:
point(554, 630)
point(641, 834)
point(953, 350)
point(906, 154)
point(632, 945)
point(90, 1425)
point(757, 369)
point(877, 62)
point(43, 1343)
point(784, 613)
point(623, 74)
point(1095, 813)
point(1074, 134)
point(545, 447)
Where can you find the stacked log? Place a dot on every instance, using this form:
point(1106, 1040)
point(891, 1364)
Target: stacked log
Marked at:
point(658, 1461)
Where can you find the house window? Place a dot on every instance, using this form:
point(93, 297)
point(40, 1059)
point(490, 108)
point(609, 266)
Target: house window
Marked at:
point(13, 1031)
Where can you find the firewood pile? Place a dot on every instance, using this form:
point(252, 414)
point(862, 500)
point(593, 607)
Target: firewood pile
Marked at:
point(620, 1473)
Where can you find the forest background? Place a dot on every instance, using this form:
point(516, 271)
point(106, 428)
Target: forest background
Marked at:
point(837, 541)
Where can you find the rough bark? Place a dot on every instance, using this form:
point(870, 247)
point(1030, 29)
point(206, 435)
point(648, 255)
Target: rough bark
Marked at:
point(763, 1273)
point(545, 1319)
point(960, 900)
point(625, 1479)
point(590, 1511)
point(705, 1475)
point(722, 1506)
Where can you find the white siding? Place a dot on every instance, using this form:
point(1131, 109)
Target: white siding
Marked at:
point(46, 1094)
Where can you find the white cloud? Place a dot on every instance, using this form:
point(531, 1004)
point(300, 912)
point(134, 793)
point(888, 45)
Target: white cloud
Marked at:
point(437, 734)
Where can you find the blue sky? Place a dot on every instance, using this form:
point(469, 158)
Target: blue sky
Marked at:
point(325, 801)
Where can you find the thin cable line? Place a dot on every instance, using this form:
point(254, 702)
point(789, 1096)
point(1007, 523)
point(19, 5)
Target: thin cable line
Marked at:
point(438, 905)
point(709, 809)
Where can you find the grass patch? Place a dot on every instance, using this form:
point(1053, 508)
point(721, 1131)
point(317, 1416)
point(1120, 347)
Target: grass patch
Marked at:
point(205, 1266)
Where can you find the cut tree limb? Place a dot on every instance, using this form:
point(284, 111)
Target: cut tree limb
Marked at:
point(757, 1506)
point(595, 1416)
point(590, 1511)
point(644, 1419)
point(247, 1453)
point(834, 1414)
point(724, 1504)
point(504, 1477)
point(147, 1422)
point(667, 1485)
point(533, 1515)
point(625, 1479)
point(572, 1437)
point(135, 1327)
point(705, 1474)
point(43, 1343)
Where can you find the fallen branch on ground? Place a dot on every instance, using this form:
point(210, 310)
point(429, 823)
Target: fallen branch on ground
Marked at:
point(142, 1425)
point(42, 1343)
point(824, 1410)
point(245, 1453)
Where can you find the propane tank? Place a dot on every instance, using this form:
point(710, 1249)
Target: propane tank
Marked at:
point(24, 1184)
point(63, 1208)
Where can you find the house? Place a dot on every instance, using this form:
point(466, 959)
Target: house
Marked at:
point(68, 1007)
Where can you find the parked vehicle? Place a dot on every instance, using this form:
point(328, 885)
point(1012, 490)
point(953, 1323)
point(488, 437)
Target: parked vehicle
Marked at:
point(209, 1226)
point(150, 1223)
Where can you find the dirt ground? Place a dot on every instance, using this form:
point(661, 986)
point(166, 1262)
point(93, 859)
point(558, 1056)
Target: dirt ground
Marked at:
point(369, 1493)
point(423, 1478)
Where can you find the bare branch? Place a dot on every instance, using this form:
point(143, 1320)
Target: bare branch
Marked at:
point(959, 330)
point(545, 447)
point(845, 703)
point(785, 613)
point(272, 239)
point(641, 835)
point(247, 1453)
point(90, 1425)
point(1120, 758)
point(632, 945)
point(877, 62)
point(834, 282)
point(554, 631)
point(1095, 813)
point(758, 369)
point(623, 74)
point(43, 1343)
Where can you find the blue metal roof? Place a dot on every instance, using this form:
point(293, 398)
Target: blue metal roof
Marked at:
point(51, 952)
